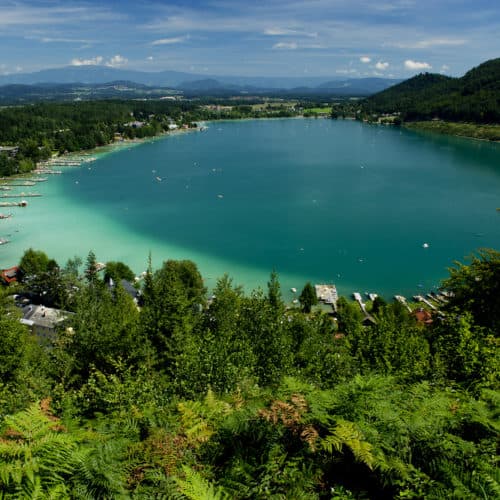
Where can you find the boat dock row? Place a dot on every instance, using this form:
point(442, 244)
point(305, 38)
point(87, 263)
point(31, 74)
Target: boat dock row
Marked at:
point(22, 203)
point(68, 161)
point(46, 171)
point(20, 195)
point(18, 184)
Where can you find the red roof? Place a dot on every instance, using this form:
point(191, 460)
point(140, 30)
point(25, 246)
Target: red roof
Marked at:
point(10, 275)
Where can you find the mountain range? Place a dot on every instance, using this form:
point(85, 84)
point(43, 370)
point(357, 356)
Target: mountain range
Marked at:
point(195, 83)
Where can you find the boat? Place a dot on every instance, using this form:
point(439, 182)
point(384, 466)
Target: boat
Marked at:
point(293, 290)
point(425, 245)
point(5, 216)
point(4, 241)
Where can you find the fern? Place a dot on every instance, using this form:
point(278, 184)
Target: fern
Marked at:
point(195, 487)
point(346, 434)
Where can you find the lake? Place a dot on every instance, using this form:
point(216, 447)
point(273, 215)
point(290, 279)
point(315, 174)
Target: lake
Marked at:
point(369, 208)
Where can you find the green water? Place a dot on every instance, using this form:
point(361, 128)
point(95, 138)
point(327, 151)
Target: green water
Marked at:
point(318, 200)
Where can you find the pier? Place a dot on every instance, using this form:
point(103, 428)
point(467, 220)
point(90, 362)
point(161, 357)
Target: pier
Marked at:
point(402, 300)
point(368, 318)
point(327, 294)
point(47, 171)
point(22, 203)
point(20, 184)
point(20, 195)
point(419, 298)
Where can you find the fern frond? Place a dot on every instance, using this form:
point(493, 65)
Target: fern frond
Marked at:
point(347, 434)
point(195, 487)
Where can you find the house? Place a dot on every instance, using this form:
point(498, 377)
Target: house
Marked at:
point(128, 288)
point(423, 316)
point(43, 320)
point(10, 150)
point(10, 275)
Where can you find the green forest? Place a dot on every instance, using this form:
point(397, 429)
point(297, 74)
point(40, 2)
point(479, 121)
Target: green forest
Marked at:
point(206, 395)
point(474, 98)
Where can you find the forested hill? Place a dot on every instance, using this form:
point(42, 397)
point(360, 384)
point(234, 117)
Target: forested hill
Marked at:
point(475, 97)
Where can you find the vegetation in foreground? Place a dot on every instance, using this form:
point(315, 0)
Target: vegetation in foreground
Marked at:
point(242, 398)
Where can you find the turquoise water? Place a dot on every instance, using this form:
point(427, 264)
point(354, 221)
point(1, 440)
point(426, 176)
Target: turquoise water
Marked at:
point(318, 200)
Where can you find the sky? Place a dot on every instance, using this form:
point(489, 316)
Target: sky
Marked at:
point(338, 38)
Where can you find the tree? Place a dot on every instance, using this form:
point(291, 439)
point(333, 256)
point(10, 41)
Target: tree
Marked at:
point(91, 268)
point(274, 291)
point(308, 297)
point(34, 262)
point(476, 288)
point(118, 271)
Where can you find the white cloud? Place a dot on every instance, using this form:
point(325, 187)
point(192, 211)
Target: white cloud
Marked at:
point(444, 68)
point(149, 58)
point(170, 41)
point(416, 65)
point(288, 31)
point(346, 71)
point(94, 61)
point(117, 61)
point(382, 66)
point(430, 43)
point(285, 46)
point(365, 59)
point(114, 62)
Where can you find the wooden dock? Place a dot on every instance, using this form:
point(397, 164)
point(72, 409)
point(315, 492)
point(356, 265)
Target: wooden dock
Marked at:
point(22, 203)
point(419, 298)
point(21, 195)
point(327, 294)
point(402, 300)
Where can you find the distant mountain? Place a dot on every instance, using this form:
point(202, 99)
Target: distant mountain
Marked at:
point(21, 94)
point(474, 97)
point(101, 74)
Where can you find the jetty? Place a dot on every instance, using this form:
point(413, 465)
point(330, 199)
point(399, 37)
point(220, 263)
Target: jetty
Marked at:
point(435, 298)
point(419, 298)
point(20, 195)
point(21, 184)
point(22, 203)
point(47, 171)
point(368, 317)
point(402, 300)
point(327, 294)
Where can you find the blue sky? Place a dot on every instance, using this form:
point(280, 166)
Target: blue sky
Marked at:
point(338, 38)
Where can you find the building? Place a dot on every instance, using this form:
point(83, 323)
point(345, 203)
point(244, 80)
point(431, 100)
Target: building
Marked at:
point(42, 320)
point(10, 275)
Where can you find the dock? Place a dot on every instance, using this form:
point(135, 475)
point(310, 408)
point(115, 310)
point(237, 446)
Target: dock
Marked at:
point(402, 300)
point(327, 294)
point(21, 184)
point(22, 203)
point(419, 298)
point(47, 171)
point(21, 195)
point(368, 318)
